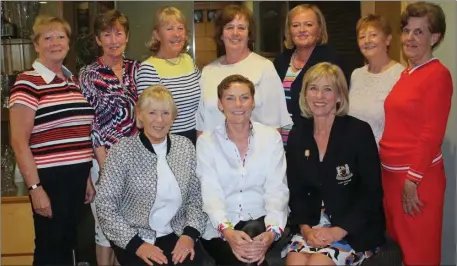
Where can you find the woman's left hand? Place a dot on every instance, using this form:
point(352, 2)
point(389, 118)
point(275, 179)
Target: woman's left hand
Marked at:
point(183, 248)
point(410, 198)
point(90, 192)
point(259, 247)
point(330, 234)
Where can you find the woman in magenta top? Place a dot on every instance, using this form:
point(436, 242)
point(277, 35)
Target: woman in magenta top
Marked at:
point(110, 88)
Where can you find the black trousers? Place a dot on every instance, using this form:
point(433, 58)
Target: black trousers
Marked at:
point(221, 251)
point(55, 238)
point(166, 244)
point(190, 134)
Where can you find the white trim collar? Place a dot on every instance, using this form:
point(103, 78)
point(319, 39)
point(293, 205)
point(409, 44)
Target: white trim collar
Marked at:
point(47, 74)
point(411, 70)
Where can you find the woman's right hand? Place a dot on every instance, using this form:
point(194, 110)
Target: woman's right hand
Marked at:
point(151, 253)
point(238, 241)
point(40, 202)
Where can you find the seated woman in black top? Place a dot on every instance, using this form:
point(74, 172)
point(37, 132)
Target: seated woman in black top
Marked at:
point(332, 161)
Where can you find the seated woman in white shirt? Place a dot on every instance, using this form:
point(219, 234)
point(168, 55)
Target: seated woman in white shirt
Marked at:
point(149, 201)
point(242, 169)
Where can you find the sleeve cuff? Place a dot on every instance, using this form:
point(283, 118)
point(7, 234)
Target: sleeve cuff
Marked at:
point(414, 176)
point(223, 226)
point(275, 229)
point(191, 232)
point(134, 244)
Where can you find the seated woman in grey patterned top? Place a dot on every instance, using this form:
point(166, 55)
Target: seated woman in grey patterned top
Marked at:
point(149, 201)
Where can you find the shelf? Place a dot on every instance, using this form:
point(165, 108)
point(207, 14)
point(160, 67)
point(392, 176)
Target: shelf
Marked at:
point(16, 41)
point(5, 114)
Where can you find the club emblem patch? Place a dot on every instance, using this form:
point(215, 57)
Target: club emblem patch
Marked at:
point(343, 172)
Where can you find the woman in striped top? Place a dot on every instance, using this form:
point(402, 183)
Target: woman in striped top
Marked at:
point(50, 135)
point(172, 67)
point(109, 86)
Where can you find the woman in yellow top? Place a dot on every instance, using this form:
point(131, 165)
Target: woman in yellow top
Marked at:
point(173, 68)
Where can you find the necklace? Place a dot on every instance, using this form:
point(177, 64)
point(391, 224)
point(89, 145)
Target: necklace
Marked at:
point(294, 63)
point(172, 61)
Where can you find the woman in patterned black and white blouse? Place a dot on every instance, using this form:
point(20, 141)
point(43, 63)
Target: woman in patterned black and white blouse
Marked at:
point(149, 202)
point(109, 86)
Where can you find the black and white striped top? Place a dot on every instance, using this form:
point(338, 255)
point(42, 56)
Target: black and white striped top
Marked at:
point(181, 77)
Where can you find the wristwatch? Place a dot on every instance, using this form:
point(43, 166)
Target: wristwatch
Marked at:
point(32, 187)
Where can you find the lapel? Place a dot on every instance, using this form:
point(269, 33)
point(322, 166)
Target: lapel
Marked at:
point(335, 146)
point(315, 58)
point(178, 166)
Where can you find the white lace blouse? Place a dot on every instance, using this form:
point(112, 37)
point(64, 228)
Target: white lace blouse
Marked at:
point(367, 94)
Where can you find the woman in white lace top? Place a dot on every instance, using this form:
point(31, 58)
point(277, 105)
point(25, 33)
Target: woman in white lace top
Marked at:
point(371, 83)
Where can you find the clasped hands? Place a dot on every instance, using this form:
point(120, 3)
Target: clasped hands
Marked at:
point(247, 249)
point(322, 237)
point(150, 253)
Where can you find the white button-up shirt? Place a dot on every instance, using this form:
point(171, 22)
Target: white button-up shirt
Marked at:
point(234, 190)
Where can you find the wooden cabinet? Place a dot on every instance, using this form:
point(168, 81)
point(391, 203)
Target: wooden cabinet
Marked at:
point(17, 228)
point(205, 45)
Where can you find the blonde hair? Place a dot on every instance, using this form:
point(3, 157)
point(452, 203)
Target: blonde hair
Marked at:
point(152, 95)
point(323, 38)
point(336, 78)
point(44, 23)
point(163, 15)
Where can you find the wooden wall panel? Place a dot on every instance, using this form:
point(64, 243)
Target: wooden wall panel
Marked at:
point(17, 229)
point(205, 46)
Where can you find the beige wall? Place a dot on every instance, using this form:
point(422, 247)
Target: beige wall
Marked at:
point(447, 54)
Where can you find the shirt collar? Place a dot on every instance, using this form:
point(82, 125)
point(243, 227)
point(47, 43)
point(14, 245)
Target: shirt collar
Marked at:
point(147, 143)
point(47, 74)
point(224, 130)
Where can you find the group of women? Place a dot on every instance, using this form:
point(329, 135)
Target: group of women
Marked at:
point(229, 156)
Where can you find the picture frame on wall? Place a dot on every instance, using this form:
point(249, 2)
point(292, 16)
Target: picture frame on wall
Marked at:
point(213, 14)
point(198, 16)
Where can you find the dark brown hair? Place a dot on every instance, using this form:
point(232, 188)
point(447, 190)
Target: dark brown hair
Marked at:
point(229, 13)
point(433, 12)
point(228, 81)
point(108, 19)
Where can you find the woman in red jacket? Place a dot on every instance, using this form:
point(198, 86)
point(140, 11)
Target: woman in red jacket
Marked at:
point(417, 111)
